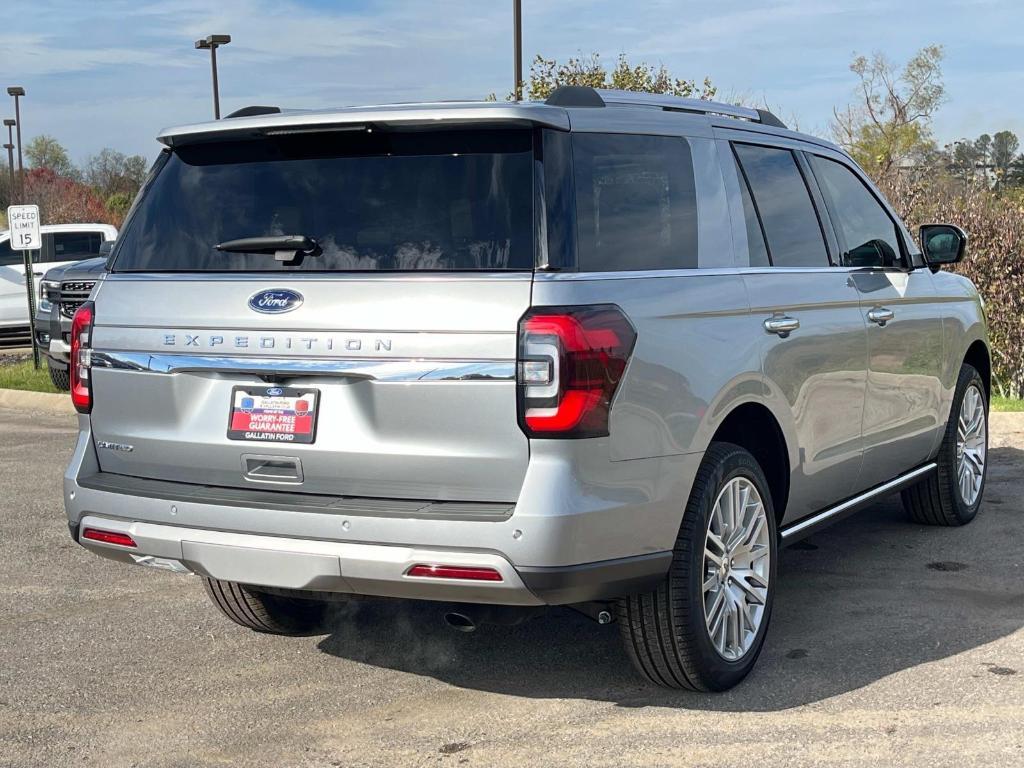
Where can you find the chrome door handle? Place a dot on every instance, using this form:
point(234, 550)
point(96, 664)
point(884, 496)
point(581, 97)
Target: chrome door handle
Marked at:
point(781, 325)
point(881, 315)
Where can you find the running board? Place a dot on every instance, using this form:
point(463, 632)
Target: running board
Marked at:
point(819, 520)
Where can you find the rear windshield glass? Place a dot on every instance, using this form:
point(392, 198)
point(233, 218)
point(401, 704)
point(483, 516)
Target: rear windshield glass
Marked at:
point(372, 201)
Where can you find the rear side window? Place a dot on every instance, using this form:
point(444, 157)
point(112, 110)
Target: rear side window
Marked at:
point(636, 207)
point(372, 200)
point(784, 206)
point(868, 236)
point(72, 246)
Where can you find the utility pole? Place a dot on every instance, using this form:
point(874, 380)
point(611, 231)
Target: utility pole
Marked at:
point(517, 31)
point(212, 43)
point(17, 92)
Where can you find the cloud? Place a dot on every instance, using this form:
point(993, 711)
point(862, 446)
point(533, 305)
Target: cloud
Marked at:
point(113, 72)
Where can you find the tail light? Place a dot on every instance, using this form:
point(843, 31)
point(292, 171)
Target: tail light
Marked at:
point(571, 360)
point(81, 357)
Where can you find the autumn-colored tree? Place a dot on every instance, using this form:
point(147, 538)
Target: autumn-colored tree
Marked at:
point(65, 201)
point(111, 172)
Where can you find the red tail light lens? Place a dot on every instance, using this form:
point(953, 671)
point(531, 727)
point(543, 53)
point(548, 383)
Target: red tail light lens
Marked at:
point(454, 572)
point(81, 357)
point(109, 537)
point(571, 360)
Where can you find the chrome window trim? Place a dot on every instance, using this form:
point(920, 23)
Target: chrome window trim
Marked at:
point(375, 370)
point(701, 272)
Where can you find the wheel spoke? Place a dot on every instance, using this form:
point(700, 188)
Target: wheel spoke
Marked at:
point(752, 595)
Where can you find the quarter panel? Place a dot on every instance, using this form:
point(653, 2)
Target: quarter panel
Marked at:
point(695, 356)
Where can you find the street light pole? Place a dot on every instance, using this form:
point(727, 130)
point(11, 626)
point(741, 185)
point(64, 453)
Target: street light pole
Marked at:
point(9, 146)
point(517, 32)
point(17, 92)
point(213, 42)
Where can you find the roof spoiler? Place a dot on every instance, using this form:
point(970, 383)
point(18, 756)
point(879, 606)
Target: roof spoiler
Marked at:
point(253, 111)
point(585, 96)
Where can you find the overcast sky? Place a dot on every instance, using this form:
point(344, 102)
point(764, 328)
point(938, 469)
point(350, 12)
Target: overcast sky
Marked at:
point(113, 72)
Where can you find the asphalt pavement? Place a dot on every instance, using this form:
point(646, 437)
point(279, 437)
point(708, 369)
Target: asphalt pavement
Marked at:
point(891, 645)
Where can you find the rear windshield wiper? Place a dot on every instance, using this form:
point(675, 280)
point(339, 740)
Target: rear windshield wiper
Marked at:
point(288, 248)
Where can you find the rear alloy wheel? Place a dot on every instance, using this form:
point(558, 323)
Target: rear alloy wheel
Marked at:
point(704, 626)
point(265, 612)
point(60, 378)
point(952, 495)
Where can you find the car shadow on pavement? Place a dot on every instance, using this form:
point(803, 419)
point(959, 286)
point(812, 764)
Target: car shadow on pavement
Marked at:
point(869, 597)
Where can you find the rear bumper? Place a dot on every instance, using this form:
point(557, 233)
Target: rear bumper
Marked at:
point(568, 540)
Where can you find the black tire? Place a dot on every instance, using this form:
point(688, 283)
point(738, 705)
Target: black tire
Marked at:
point(664, 631)
point(61, 379)
point(937, 499)
point(264, 612)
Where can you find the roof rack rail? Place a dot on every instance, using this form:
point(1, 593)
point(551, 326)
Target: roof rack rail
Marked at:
point(253, 111)
point(584, 96)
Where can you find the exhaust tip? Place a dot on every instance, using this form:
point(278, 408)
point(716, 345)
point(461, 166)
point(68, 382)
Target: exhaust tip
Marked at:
point(460, 622)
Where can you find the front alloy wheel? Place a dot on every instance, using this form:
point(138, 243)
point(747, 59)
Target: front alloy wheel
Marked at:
point(971, 444)
point(952, 494)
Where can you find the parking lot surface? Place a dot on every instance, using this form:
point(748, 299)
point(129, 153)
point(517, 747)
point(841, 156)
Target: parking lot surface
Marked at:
point(891, 644)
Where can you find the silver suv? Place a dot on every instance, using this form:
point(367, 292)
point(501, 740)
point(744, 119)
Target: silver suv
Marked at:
point(610, 351)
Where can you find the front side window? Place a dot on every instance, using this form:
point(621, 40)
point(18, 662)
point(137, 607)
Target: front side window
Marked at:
point(868, 236)
point(784, 206)
point(636, 204)
point(372, 200)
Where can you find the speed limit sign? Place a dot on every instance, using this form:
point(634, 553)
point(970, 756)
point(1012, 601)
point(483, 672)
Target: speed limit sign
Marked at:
point(23, 221)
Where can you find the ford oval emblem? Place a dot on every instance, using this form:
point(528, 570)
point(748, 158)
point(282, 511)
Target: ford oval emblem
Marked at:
point(275, 392)
point(274, 301)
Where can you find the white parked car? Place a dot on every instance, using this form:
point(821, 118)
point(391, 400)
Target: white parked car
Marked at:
point(62, 244)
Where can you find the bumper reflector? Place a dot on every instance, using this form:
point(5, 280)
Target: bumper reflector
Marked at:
point(109, 537)
point(454, 572)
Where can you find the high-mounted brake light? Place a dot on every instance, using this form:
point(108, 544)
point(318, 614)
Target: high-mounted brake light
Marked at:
point(571, 360)
point(81, 357)
point(109, 537)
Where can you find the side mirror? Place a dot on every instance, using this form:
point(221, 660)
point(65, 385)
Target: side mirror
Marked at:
point(942, 244)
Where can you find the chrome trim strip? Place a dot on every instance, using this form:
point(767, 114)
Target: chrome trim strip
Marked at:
point(856, 501)
point(336, 277)
point(694, 272)
point(374, 370)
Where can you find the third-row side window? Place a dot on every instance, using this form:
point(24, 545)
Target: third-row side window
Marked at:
point(784, 207)
point(636, 206)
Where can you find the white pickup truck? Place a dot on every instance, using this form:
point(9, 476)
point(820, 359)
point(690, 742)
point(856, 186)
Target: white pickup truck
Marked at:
point(62, 244)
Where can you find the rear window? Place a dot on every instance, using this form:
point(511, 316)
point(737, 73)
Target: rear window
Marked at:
point(372, 200)
point(636, 205)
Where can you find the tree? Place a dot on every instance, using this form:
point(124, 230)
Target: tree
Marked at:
point(548, 74)
point(46, 152)
point(117, 205)
point(111, 172)
point(890, 124)
point(1003, 155)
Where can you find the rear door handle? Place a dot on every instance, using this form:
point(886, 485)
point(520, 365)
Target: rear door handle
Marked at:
point(881, 315)
point(781, 325)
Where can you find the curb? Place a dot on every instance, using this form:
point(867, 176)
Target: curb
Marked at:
point(40, 402)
